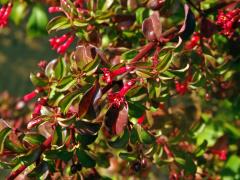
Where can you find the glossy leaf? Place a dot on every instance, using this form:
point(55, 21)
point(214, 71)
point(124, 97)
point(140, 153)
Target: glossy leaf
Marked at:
point(189, 23)
point(85, 159)
point(58, 23)
point(39, 82)
point(144, 136)
point(34, 139)
point(37, 21)
point(3, 135)
point(121, 141)
point(128, 156)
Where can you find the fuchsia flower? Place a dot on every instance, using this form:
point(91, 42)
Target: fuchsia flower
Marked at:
point(117, 99)
point(108, 76)
point(228, 21)
point(4, 14)
point(61, 44)
point(221, 153)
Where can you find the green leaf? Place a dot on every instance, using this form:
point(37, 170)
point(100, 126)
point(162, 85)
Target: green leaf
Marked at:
point(66, 122)
point(121, 141)
point(18, 12)
point(67, 101)
point(85, 159)
point(3, 135)
point(65, 84)
point(144, 136)
point(103, 160)
point(57, 136)
point(35, 139)
point(134, 136)
point(60, 68)
point(58, 23)
point(141, 14)
point(201, 149)
point(186, 162)
point(37, 22)
point(91, 67)
point(128, 156)
point(39, 170)
point(39, 82)
point(87, 128)
point(106, 5)
point(61, 154)
point(129, 55)
point(14, 147)
point(86, 139)
point(165, 62)
point(6, 165)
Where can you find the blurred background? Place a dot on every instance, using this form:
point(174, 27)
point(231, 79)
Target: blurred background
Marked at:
point(19, 55)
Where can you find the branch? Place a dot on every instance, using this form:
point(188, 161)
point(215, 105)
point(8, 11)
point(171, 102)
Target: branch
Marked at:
point(46, 144)
point(145, 50)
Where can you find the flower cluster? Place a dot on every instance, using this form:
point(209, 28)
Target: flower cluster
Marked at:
point(61, 44)
point(117, 99)
point(4, 14)
point(228, 21)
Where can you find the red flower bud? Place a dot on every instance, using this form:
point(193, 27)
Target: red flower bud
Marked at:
point(30, 96)
point(54, 9)
point(61, 43)
point(42, 64)
point(4, 14)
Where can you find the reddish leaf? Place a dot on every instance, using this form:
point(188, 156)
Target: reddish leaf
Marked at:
point(86, 101)
point(189, 23)
point(121, 120)
point(152, 27)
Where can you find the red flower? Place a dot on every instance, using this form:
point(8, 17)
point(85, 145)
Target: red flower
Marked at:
point(61, 44)
point(141, 119)
point(4, 14)
point(193, 42)
point(108, 76)
point(222, 153)
point(228, 21)
point(117, 99)
point(182, 88)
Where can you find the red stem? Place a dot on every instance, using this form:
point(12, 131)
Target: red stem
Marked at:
point(15, 173)
point(143, 52)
